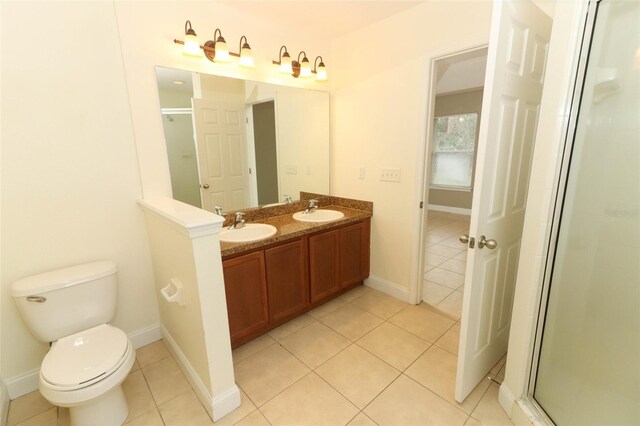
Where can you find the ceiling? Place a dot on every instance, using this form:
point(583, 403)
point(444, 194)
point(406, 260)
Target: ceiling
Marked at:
point(331, 18)
point(167, 76)
point(461, 72)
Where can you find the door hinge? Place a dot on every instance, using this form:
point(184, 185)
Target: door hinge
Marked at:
point(421, 204)
point(249, 170)
point(246, 120)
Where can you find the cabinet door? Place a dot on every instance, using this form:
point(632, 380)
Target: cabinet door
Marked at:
point(246, 289)
point(354, 253)
point(324, 271)
point(287, 279)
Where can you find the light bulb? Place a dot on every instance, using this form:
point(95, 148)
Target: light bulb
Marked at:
point(191, 42)
point(222, 51)
point(321, 72)
point(285, 64)
point(305, 68)
point(246, 57)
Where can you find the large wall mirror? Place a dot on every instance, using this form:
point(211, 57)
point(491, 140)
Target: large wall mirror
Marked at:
point(239, 144)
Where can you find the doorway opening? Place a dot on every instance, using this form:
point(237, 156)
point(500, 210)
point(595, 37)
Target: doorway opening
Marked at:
point(451, 156)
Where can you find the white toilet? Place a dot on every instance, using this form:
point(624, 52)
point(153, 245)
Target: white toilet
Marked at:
point(89, 358)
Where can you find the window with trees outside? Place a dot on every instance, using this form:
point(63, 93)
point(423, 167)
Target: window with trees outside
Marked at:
point(454, 144)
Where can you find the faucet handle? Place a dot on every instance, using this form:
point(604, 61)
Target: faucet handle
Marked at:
point(218, 210)
point(288, 199)
point(313, 203)
point(239, 216)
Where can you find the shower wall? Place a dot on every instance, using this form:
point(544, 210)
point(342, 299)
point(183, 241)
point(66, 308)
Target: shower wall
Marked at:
point(588, 370)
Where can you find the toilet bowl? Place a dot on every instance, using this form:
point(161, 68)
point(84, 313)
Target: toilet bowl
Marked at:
point(84, 372)
point(89, 358)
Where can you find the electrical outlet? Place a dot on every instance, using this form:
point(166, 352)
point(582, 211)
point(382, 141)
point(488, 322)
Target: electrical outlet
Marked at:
point(361, 173)
point(292, 170)
point(390, 175)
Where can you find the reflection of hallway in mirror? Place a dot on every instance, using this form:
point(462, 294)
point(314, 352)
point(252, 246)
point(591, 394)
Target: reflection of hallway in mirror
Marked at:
point(264, 132)
point(445, 262)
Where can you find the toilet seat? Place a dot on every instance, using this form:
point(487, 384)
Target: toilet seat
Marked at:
point(84, 358)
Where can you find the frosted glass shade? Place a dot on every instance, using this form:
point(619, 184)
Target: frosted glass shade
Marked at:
point(321, 73)
point(246, 57)
point(191, 45)
point(285, 65)
point(222, 51)
point(305, 69)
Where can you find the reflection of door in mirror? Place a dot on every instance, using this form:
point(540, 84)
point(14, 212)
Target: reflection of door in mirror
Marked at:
point(266, 155)
point(222, 153)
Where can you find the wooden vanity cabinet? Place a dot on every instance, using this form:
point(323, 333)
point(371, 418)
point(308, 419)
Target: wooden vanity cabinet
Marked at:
point(245, 285)
point(287, 280)
point(269, 286)
point(354, 253)
point(324, 269)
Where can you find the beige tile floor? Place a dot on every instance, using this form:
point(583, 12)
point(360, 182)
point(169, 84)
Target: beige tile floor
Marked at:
point(445, 262)
point(362, 359)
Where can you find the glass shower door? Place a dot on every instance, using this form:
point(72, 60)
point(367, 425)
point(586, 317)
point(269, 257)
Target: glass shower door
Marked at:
point(588, 370)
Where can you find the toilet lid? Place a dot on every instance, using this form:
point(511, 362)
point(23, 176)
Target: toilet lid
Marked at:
point(84, 356)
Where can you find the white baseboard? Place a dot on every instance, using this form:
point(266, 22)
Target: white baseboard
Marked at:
point(4, 404)
point(216, 408)
point(506, 399)
point(28, 382)
point(196, 382)
point(146, 335)
point(387, 287)
point(447, 209)
point(23, 384)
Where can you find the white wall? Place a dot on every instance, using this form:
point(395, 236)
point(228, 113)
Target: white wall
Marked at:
point(69, 170)
point(379, 110)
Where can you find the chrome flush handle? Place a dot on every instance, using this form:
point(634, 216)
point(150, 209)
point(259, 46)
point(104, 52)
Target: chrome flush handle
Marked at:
point(37, 299)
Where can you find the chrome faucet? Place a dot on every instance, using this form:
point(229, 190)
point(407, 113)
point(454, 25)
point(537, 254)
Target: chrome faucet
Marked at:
point(218, 210)
point(239, 221)
point(313, 204)
point(288, 199)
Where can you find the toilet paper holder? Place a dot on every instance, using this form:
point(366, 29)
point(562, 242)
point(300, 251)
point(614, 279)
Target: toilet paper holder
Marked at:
point(174, 292)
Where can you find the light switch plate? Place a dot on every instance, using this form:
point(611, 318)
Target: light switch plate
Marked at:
point(292, 170)
point(390, 175)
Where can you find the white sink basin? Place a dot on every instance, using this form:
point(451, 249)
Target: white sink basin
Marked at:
point(248, 233)
point(318, 216)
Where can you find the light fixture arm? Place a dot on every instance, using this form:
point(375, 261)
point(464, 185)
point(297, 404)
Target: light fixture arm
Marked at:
point(187, 28)
point(280, 54)
point(302, 52)
point(215, 39)
point(315, 63)
point(245, 42)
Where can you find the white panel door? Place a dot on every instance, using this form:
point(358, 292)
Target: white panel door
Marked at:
point(518, 45)
point(222, 154)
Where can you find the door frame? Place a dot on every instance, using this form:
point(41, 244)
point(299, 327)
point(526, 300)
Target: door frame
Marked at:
point(573, 103)
point(424, 168)
point(251, 148)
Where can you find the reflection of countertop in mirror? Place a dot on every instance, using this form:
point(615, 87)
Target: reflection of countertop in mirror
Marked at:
point(289, 229)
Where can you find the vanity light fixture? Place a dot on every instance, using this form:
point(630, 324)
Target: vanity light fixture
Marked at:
point(191, 43)
point(284, 61)
point(320, 70)
point(304, 66)
point(246, 56)
point(300, 67)
point(218, 50)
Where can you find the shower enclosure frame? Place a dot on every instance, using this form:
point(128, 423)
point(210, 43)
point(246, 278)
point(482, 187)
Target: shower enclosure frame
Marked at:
point(564, 163)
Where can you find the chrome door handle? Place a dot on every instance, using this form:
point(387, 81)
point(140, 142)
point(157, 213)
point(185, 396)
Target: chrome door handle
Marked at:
point(490, 244)
point(464, 238)
point(205, 186)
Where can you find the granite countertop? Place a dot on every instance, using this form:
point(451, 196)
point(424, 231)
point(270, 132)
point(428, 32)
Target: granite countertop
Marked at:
point(288, 228)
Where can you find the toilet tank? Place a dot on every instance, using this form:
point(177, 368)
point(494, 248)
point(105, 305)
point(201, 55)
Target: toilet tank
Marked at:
point(58, 303)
